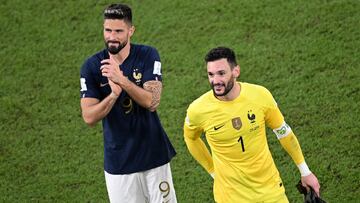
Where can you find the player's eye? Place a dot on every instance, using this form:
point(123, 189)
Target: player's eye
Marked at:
point(222, 73)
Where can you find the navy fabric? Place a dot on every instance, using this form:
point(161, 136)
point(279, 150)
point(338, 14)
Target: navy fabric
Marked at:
point(134, 139)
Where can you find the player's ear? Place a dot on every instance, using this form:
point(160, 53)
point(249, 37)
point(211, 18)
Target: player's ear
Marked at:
point(131, 30)
point(236, 71)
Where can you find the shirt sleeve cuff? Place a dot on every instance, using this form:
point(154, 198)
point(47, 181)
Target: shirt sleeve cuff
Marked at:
point(304, 169)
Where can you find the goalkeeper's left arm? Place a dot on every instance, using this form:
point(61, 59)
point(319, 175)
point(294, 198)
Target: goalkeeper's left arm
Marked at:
point(291, 145)
point(275, 120)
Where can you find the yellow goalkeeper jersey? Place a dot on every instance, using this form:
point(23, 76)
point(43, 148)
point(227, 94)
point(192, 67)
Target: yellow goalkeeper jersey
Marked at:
point(235, 131)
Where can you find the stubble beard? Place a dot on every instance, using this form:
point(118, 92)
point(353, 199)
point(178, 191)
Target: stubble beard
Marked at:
point(115, 49)
point(228, 88)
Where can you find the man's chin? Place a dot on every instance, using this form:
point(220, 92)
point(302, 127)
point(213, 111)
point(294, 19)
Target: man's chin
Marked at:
point(113, 50)
point(218, 93)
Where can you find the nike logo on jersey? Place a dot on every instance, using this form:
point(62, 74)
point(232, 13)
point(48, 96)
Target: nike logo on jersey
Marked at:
point(103, 84)
point(218, 127)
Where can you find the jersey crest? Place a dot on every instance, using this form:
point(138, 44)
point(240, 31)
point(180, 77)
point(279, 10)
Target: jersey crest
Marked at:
point(251, 116)
point(137, 76)
point(236, 123)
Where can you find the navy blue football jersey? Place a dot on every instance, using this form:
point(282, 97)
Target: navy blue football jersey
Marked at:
point(134, 139)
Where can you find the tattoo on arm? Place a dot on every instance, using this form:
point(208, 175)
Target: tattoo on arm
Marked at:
point(155, 87)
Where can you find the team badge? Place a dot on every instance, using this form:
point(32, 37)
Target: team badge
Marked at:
point(236, 123)
point(251, 116)
point(137, 76)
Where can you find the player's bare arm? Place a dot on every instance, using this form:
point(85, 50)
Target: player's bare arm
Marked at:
point(155, 87)
point(148, 96)
point(93, 111)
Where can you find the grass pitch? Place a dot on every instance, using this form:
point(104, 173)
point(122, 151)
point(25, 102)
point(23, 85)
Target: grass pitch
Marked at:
point(305, 52)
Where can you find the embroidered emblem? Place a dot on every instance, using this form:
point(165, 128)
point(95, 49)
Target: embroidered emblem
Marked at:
point(251, 116)
point(236, 123)
point(137, 76)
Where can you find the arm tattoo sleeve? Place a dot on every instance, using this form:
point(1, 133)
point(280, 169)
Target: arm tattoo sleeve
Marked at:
point(155, 87)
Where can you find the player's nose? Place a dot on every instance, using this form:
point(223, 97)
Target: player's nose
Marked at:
point(216, 79)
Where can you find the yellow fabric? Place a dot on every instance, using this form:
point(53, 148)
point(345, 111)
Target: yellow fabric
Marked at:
point(235, 131)
point(198, 149)
point(292, 147)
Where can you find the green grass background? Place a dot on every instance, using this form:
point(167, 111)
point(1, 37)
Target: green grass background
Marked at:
point(307, 53)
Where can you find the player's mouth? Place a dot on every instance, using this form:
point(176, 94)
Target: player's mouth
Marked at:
point(113, 43)
point(218, 87)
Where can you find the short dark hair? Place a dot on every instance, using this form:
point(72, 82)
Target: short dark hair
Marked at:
point(220, 53)
point(118, 11)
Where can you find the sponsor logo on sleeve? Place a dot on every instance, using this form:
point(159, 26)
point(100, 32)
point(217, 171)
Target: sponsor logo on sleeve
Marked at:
point(157, 68)
point(83, 84)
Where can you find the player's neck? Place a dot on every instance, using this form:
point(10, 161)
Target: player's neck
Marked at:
point(233, 94)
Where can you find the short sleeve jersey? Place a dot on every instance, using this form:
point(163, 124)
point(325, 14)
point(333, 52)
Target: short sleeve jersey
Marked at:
point(134, 139)
point(235, 131)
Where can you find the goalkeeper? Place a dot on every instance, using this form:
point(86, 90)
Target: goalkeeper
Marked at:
point(233, 117)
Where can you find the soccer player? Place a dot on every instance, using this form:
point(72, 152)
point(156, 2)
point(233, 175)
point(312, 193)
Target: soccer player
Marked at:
point(121, 85)
point(233, 116)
